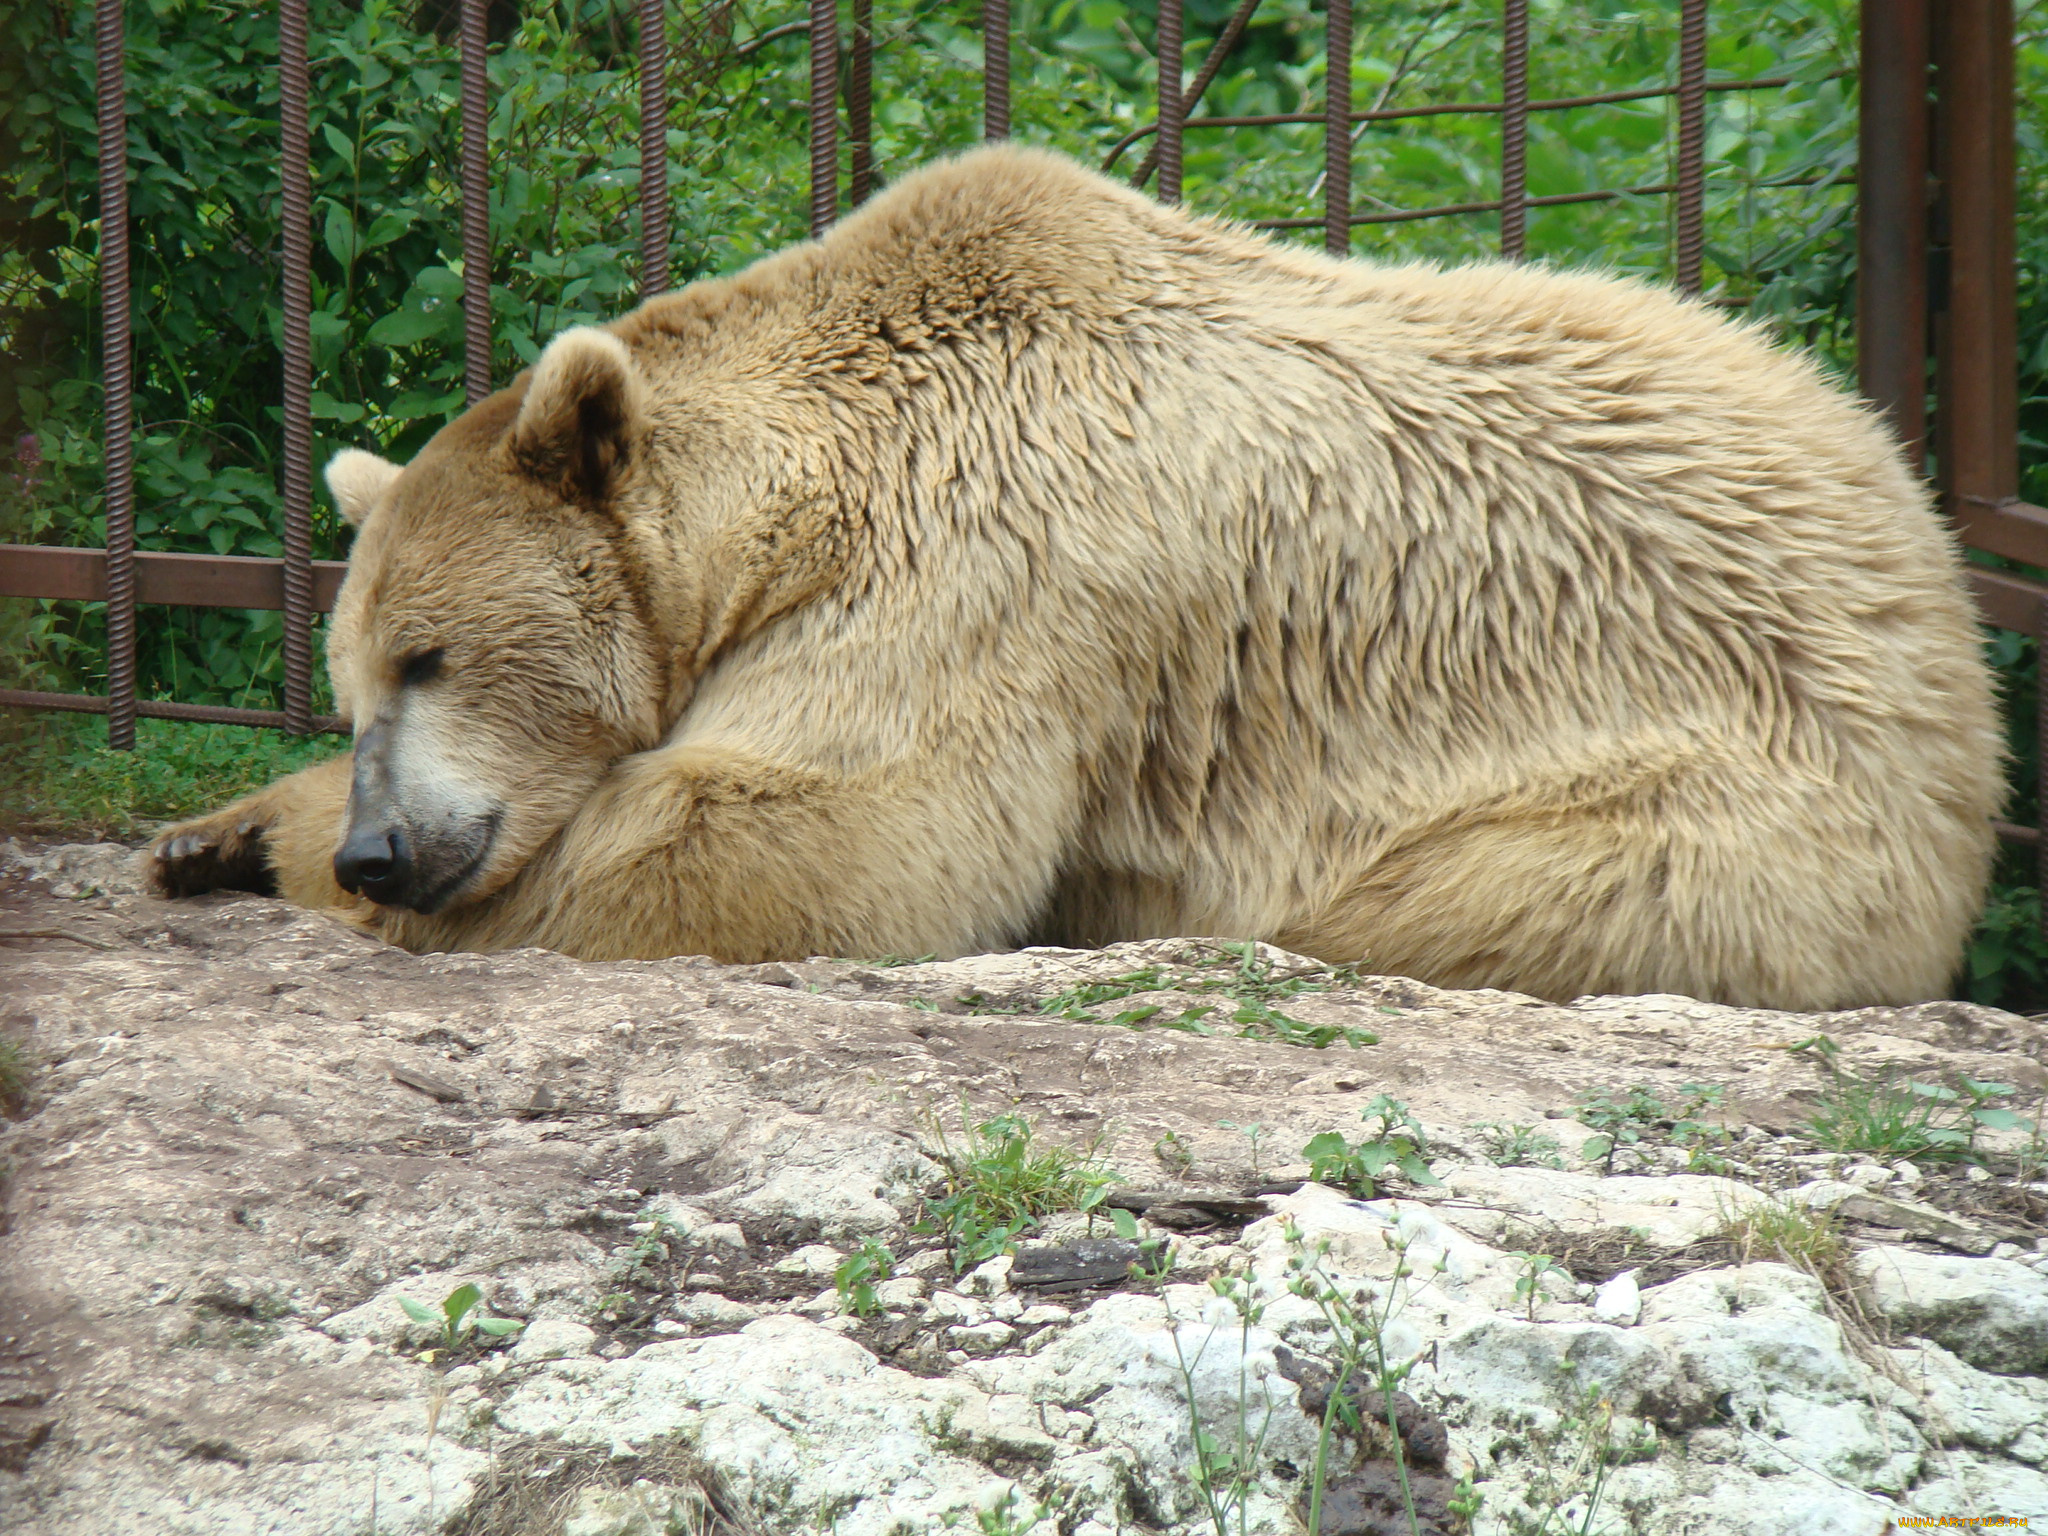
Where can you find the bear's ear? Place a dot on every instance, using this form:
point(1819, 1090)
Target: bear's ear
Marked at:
point(357, 479)
point(581, 424)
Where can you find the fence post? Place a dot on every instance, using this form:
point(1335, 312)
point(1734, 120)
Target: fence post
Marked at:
point(476, 206)
point(1514, 128)
point(1891, 216)
point(1337, 129)
point(118, 365)
point(824, 114)
point(995, 69)
point(297, 202)
point(1692, 138)
point(1977, 379)
point(1168, 41)
point(653, 148)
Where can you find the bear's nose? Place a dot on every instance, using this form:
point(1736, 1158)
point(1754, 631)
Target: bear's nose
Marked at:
point(374, 862)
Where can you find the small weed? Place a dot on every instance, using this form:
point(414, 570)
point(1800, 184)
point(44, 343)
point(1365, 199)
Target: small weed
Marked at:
point(1529, 1283)
point(1563, 1498)
point(1174, 1154)
point(650, 1246)
point(1359, 1315)
point(1519, 1146)
point(1254, 1133)
point(1248, 988)
point(15, 1073)
point(1225, 1471)
point(999, 1182)
point(855, 1279)
point(1006, 1519)
point(1155, 1254)
point(1891, 1118)
point(890, 962)
point(1396, 1145)
point(1790, 1234)
point(1625, 1121)
point(460, 1318)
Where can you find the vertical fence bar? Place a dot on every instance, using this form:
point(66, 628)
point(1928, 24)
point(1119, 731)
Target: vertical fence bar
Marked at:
point(297, 202)
point(860, 105)
point(1891, 216)
point(995, 69)
point(1692, 142)
point(118, 366)
point(1977, 412)
point(1514, 128)
point(476, 206)
point(1337, 129)
point(1168, 40)
point(824, 114)
point(653, 148)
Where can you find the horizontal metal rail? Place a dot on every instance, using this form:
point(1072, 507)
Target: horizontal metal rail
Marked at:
point(1554, 200)
point(1449, 109)
point(163, 709)
point(189, 581)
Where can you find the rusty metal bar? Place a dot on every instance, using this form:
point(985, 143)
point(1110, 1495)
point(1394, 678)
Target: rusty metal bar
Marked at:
point(1555, 200)
point(2006, 601)
point(1168, 43)
point(1232, 31)
point(653, 148)
point(118, 365)
point(1336, 129)
point(1977, 409)
point(160, 709)
point(1891, 217)
point(824, 114)
point(476, 206)
point(1452, 108)
point(995, 69)
point(1691, 173)
point(1514, 128)
point(190, 581)
point(860, 105)
point(298, 366)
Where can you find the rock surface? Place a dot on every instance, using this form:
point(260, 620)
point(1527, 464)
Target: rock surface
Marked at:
point(259, 1153)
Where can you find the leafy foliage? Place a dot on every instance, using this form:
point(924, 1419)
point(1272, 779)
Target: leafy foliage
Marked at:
point(1397, 1146)
point(1885, 1115)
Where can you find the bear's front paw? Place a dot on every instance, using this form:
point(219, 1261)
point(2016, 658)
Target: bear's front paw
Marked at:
point(222, 852)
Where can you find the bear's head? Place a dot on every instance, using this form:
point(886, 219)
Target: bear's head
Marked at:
point(493, 643)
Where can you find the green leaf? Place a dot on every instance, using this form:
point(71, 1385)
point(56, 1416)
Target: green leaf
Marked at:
point(1126, 1224)
point(339, 142)
point(1997, 1119)
point(418, 1313)
point(498, 1327)
point(460, 1301)
point(1596, 1147)
point(1330, 1144)
point(342, 240)
point(405, 328)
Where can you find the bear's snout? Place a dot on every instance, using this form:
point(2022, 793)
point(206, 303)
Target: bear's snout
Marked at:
point(375, 862)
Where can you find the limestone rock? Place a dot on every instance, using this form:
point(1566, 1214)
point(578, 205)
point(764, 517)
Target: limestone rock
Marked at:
point(227, 1178)
point(1992, 1313)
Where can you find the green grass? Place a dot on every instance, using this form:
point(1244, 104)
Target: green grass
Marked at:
point(1000, 1180)
point(58, 780)
point(1883, 1115)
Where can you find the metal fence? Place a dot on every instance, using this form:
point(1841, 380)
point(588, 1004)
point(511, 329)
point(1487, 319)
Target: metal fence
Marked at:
point(1936, 275)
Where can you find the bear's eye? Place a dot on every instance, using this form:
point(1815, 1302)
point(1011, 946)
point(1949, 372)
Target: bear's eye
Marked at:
point(420, 667)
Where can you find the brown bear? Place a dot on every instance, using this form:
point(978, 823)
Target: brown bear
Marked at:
point(1029, 562)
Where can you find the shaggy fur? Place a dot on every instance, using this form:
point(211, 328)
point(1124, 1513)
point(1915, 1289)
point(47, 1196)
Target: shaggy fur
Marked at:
point(1028, 562)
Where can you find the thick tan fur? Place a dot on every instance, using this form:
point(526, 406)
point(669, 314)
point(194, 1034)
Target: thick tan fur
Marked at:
point(1029, 562)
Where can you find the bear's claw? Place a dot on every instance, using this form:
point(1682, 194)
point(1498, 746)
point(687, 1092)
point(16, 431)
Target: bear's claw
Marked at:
point(212, 855)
